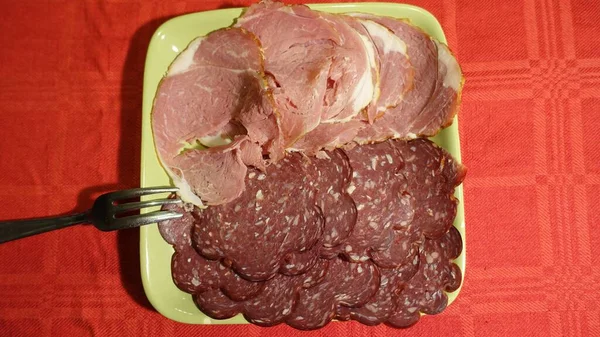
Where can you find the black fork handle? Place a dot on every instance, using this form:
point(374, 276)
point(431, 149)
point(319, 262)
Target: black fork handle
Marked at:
point(18, 229)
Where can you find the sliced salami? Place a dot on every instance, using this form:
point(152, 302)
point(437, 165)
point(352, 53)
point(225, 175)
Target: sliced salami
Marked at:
point(272, 306)
point(385, 302)
point(191, 272)
point(432, 175)
point(425, 292)
point(216, 305)
point(178, 232)
point(377, 192)
point(280, 297)
point(301, 271)
point(265, 224)
point(332, 176)
point(403, 249)
point(346, 284)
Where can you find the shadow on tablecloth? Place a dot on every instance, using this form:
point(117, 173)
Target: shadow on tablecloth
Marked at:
point(129, 153)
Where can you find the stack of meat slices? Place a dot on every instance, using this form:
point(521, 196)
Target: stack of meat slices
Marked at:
point(290, 79)
point(363, 233)
point(295, 138)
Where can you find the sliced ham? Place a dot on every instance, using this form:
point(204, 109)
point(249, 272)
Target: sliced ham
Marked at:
point(214, 90)
point(432, 102)
point(299, 47)
point(353, 76)
point(395, 70)
point(329, 136)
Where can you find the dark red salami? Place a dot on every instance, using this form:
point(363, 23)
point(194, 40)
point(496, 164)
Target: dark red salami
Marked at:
point(192, 273)
point(357, 234)
point(404, 249)
point(332, 176)
point(346, 284)
point(276, 215)
point(381, 199)
point(178, 232)
point(385, 302)
point(216, 305)
point(299, 262)
point(425, 292)
point(272, 306)
point(280, 297)
point(432, 175)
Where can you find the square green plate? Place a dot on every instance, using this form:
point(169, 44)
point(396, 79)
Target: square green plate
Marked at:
point(170, 39)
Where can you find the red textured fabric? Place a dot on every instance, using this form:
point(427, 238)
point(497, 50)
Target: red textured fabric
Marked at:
point(70, 104)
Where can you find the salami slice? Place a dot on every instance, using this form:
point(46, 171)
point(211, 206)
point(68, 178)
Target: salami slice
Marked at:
point(377, 193)
point(280, 297)
point(216, 305)
point(385, 302)
point(178, 232)
point(425, 292)
point(274, 304)
point(346, 284)
point(403, 249)
point(432, 175)
point(191, 272)
point(299, 262)
point(275, 216)
point(332, 176)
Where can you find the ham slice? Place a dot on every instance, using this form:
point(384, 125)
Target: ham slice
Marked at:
point(417, 92)
point(432, 102)
point(299, 47)
point(214, 91)
point(395, 70)
point(353, 76)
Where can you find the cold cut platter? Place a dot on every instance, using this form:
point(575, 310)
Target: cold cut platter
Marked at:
point(316, 150)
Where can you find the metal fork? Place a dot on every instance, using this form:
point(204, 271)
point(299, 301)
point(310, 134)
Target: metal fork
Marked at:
point(104, 214)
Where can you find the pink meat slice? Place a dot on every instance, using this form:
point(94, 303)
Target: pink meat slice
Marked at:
point(425, 292)
point(213, 90)
point(447, 93)
point(345, 285)
point(343, 129)
point(397, 122)
point(395, 70)
point(329, 136)
point(353, 75)
point(216, 174)
point(299, 47)
point(274, 217)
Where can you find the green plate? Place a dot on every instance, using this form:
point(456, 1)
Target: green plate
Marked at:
point(167, 42)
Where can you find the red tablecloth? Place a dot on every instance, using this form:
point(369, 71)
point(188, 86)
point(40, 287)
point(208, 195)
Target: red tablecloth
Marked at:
point(70, 104)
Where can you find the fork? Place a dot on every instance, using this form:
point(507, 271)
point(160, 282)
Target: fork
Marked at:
point(104, 214)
